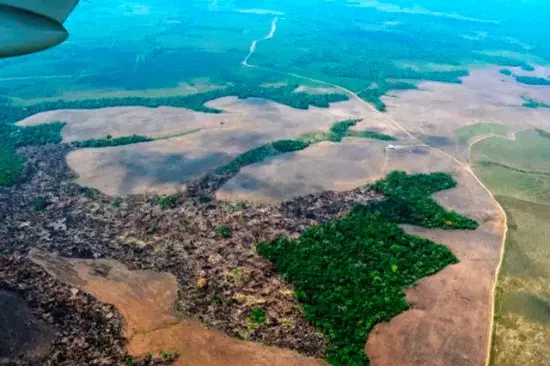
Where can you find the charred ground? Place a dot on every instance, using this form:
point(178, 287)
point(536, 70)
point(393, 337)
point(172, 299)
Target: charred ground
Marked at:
point(209, 245)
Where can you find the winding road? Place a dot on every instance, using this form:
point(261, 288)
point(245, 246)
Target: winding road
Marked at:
point(255, 42)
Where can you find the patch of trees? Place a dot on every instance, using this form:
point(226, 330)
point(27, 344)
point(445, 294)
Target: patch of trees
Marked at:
point(408, 201)
point(336, 133)
point(287, 95)
point(373, 95)
point(13, 137)
point(166, 202)
point(384, 73)
point(38, 135)
point(349, 274)
point(11, 165)
point(257, 317)
point(532, 80)
point(261, 153)
point(224, 231)
point(531, 103)
point(341, 129)
point(371, 135)
point(111, 142)
point(11, 113)
point(505, 72)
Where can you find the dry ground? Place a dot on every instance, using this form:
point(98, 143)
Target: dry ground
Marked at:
point(166, 166)
point(146, 300)
point(436, 110)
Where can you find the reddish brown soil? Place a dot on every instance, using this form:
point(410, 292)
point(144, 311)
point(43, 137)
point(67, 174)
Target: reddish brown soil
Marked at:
point(146, 300)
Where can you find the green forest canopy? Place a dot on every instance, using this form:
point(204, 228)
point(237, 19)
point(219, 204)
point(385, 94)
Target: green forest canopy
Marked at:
point(13, 137)
point(349, 274)
point(287, 95)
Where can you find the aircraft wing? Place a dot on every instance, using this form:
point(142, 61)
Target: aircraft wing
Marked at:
point(57, 10)
point(28, 26)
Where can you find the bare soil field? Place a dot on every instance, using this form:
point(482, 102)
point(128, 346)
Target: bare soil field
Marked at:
point(146, 300)
point(272, 119)
point(434, 111)
point(166, 166)
point(322, 167)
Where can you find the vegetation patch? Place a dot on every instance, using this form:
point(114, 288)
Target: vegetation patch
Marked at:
point(261, 153)
point(11, 165)
point(466, 133)
point(532, 80)
point(13, 137)
point(349, 274)
point(92, 193)
point(256, 318)
point(505, 72)
point(166, 202)
point(287, 95)
point(38, 135)
point(336, 133)
point(111, 142)
point(531, 103)
point(11, 112)
point(341, 129)
point(373, 95)
point(39, 203)
point(371, 135)
point(408, 201)
point(224, 231)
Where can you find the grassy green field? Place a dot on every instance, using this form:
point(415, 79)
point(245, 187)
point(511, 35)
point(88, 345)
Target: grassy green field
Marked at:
point(466, 133)
point(529, 152)
point(517, 172)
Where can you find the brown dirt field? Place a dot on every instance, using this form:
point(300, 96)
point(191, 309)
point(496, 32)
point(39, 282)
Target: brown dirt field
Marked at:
point(146, 300)
point(165, 166)
point(434, 111)
point(321, 167)
point(269, 118)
